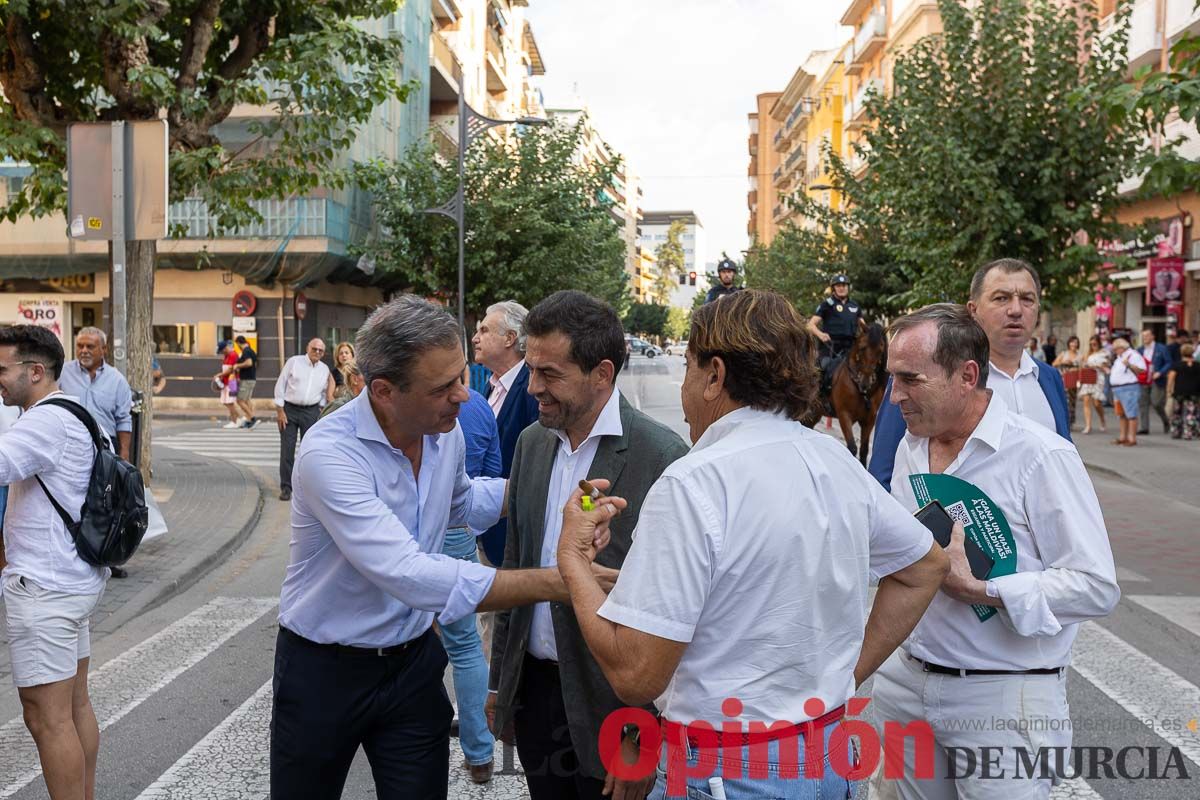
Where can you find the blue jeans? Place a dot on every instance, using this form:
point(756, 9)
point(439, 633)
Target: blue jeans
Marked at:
point(463, 646)
point(830, 786)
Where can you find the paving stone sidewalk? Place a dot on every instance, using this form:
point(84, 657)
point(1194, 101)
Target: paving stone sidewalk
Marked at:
point(1158, 464)
point(210, 506)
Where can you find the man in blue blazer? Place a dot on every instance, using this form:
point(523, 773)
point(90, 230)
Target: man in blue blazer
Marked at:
point(499, 345)
point(1005, 299)
point(1159, 359)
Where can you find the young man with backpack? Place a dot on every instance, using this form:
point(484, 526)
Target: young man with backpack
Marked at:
point(50, 592)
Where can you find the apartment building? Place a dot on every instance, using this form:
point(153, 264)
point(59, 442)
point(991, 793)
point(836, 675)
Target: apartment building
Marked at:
point(694, 277)
point(762, 195)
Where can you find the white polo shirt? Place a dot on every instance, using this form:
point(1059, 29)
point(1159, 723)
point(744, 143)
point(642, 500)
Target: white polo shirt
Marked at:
point(758, 551)
point(1065, 573)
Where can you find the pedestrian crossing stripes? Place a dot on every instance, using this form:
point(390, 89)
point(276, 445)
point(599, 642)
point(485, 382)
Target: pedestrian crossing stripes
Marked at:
point(229, 757)
point(125, 682)
point(257, 447)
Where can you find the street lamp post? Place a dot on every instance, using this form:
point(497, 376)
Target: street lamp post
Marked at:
point(471, 125)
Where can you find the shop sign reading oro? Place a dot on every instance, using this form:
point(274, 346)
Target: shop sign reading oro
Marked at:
point(117, 191)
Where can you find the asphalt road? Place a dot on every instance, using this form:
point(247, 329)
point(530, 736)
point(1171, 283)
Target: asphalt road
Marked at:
point(183, 691)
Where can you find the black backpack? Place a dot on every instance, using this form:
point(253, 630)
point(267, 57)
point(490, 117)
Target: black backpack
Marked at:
point(113, 518)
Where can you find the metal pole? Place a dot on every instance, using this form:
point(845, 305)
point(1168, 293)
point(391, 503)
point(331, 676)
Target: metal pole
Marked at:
point(460, 212)
point(119, 311)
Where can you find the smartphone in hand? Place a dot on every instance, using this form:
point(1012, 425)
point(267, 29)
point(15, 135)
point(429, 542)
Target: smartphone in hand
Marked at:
point(934, 517)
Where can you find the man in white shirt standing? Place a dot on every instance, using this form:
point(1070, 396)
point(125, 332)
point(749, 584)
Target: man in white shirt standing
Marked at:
point(960, 669)
point(304, 387)
point(49, 591)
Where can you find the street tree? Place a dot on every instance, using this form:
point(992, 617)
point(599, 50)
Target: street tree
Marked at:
point(314, 69)
point(670, 262)
point(537, 221)
point(997, 141)
point(647, 319)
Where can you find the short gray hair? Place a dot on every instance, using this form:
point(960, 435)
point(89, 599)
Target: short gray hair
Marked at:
point(513, 316)
point(90, 331)
point(398, 333)
point(959, 337)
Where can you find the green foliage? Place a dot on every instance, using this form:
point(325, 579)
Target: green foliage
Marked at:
point(647, 319)
point(316, 74)
point(679, 322)
point(670, 262)
point(536, 221)
point(998, 141)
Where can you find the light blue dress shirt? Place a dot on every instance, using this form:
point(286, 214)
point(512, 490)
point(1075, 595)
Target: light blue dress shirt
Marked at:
point(366, 565)
point(107, 396)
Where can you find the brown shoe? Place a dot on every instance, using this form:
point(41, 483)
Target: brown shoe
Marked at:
point(480, 773)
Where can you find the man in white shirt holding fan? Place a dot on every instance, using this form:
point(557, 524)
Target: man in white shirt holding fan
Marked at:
point(996, 647)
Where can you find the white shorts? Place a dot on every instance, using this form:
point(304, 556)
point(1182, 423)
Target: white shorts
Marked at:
point(47, 631)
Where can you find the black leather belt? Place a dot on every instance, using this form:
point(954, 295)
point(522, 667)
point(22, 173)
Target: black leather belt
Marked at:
point(349, 650)
point(962, 673)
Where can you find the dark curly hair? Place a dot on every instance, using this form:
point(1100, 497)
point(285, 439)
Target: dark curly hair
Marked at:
point(770, 357)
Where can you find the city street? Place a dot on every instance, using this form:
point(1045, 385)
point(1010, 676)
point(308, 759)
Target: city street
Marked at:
point(182, 651)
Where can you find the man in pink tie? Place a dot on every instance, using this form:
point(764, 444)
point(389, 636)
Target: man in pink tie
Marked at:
point(499, 345)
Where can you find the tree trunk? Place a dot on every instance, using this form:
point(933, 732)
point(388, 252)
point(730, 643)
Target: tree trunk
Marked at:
point(140, 258)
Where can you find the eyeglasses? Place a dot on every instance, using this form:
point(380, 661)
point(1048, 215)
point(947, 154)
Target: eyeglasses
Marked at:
point(5, 367)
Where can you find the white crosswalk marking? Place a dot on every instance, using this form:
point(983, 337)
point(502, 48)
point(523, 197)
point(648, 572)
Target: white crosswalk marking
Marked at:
point(1183, 611)
point(228, 762)
point(258, 447)
point(125, 682)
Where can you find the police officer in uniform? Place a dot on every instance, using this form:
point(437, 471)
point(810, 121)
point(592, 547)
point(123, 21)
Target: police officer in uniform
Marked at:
point(726, 270)
point(836, 319)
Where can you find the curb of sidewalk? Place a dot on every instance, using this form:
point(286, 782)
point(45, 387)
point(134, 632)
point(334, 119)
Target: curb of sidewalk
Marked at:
point(189, 573)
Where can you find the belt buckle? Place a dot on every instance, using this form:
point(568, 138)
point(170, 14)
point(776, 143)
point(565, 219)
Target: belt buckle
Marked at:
point(379, 651)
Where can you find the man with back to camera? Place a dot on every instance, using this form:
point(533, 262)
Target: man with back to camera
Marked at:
point(1005, 299)
point(960, 669)
point(50, 593)
point(377, 485)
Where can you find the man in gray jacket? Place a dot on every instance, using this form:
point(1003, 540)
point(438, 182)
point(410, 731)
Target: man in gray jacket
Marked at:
point(543, 679)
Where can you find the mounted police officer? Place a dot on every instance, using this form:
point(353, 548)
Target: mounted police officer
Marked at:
point(835, 323)
point(726, 272)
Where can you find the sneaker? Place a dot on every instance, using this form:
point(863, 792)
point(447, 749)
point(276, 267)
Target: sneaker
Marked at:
point(285, 494)
point(249, 423)
point(118, 572)
point(232, 424)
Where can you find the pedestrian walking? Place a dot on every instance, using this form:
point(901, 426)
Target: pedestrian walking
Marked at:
point(1128, 364)
point(247, 370)
point(228, 381)
point(1069, 363)
point(104, 392)
point(741, 606)
point(461, 639)
point(1183, 387)
point(1092, 380)
point(1154, 391)
point(1005, 299)
point(544, 679)
point(377, 485)
point(1050, 349)
point(959, 670)
point(499, 345)
point(304, 386)
point(49, 592)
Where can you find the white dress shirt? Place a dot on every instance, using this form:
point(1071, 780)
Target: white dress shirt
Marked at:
point(570, 467)
point(51, 443)
point(302, 383)
point(757, 549)
point(501, 385)
point(1021, 392)
point(1121, 374)
point(366, 565)
point(1065, 573)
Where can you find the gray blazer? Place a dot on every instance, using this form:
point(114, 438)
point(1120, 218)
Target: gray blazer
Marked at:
point(633, 462)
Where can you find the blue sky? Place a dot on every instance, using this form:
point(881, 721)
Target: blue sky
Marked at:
point(670, 82)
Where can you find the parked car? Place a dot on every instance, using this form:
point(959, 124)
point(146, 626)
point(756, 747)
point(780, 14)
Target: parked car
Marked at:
point(642, 347)
point(677, 349)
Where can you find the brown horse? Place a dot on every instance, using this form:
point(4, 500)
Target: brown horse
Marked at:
point(857, 388)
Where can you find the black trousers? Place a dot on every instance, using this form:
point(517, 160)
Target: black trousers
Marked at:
point(327, 703)
point(299, 420)
point(544, 740)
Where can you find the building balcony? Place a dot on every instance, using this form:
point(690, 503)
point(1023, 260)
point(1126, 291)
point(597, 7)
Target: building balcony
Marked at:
point(752, 144)
point(777, 174)
point(1183, 18)
point(281, 219)
point(778, 212)
point(869, 40)
point(785, 179)
point(752, 198)
point(446, 11)
point(497, 63)
point(778, 138)
point(856, 115)
point(1145, 33)
point(796, 155)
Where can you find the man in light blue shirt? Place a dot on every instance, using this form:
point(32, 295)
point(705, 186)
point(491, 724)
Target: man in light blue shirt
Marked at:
point(101, 389)
point(375, 488)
